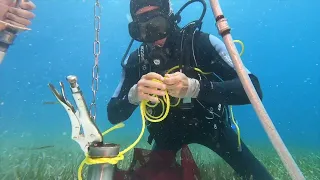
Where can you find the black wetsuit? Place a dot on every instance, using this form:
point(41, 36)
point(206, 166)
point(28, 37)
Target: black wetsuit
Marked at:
point(205, 123)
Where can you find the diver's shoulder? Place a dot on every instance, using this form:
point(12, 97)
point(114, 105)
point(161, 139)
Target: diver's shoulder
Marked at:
point(202, 40)
point(204, 37)
point(207, 41)
point(132, 59)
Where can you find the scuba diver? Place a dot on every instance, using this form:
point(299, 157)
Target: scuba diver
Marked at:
point(203, 115)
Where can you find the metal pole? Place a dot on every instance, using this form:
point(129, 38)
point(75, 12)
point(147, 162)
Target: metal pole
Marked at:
point(285, 156)
point(102, 171)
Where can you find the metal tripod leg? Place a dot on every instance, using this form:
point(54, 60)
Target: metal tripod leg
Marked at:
point(102, 171)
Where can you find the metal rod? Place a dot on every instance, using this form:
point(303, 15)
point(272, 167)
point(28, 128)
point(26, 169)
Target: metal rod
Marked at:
point(264, 118)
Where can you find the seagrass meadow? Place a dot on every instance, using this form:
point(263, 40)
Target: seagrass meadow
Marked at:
point(61, 163)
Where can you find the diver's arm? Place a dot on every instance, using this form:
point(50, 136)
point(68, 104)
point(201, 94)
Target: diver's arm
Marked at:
point(120, 108)
point(229, 90)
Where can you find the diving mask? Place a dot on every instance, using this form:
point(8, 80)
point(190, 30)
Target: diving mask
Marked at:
point(150, 27)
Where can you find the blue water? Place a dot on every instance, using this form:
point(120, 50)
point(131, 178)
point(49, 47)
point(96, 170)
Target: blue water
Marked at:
point(281, 47)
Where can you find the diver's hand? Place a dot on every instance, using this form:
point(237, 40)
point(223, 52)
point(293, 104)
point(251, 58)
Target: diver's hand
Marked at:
point(146, 87)
point(177, 84)
point(17, 16)
point(180, 86)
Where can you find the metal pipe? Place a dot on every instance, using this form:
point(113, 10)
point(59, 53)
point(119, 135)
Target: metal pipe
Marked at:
point(102, 171)
point(224, 31)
